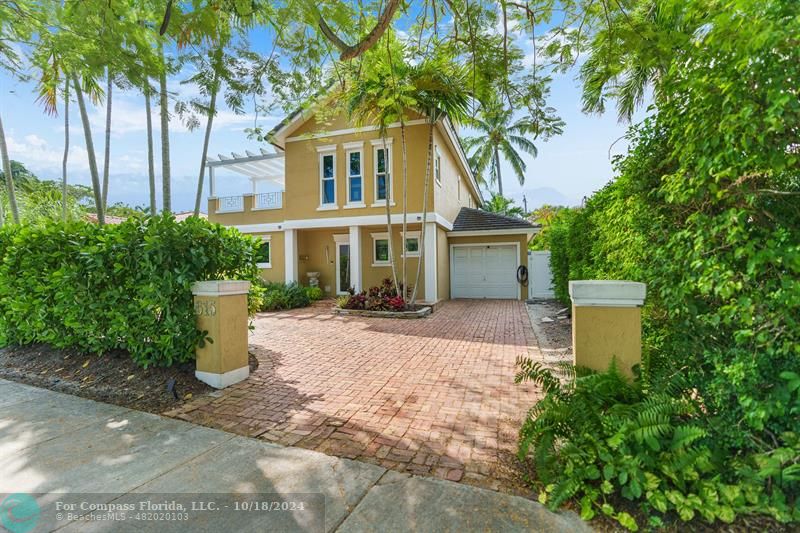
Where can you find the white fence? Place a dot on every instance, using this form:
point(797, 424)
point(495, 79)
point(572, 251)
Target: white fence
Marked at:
point(540, 279)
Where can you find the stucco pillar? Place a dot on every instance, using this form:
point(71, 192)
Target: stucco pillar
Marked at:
point(355, 258)
point(290, 254)
point(430, 262)
point(221, 311)
point(212, 183)
point(607, 323)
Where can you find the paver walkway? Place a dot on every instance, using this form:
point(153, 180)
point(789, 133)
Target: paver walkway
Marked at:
point(433, 396)
point(66, 449)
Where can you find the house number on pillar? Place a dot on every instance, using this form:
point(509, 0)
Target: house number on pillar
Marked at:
point(205, 308)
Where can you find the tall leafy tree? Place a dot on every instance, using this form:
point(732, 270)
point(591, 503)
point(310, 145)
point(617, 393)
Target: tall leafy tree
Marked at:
point(503, 206)
point(499, 134)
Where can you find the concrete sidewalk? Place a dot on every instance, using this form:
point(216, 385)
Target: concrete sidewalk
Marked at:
point(56, 443)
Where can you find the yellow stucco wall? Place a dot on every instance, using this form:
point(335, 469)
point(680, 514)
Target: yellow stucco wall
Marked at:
point(452, 193)
point(277, 271)
point(522, 240)
point(225, 320)
point(249, 216)
point(600, 333)
point(374, 275)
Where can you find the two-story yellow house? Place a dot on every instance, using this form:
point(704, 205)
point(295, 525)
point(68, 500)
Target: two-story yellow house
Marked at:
point(330, 217)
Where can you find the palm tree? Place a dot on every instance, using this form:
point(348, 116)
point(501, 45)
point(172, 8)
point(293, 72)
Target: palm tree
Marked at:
point(499, 134)
point(503, 206)
point(87, 133)
point(12, 197)
point(151, 170)
point(164, 110)
point(64, 213)
point(107, 154)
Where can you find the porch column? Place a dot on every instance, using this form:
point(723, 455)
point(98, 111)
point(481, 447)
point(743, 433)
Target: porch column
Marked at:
point(212, 183)
point(355, 258)
point(430, 262)
point(290, 254)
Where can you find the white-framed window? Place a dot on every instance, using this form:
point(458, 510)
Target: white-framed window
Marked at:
point(382, 165)
point(327, 177)
point(459, 188)
point(437, 165)
point(380, 249)
point(355, 174)
point(411, 244)
point(264, 254)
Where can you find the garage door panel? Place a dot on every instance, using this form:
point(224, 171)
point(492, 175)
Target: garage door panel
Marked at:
point(484, 271)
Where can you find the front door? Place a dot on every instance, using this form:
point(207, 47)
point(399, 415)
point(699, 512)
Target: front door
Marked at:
point(342, 267)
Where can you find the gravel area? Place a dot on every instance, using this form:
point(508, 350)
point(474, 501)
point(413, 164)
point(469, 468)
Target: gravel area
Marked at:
point(552, 324)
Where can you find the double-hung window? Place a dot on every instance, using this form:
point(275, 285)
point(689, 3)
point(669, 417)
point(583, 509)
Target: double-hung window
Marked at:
point(437, 166)
point(380, 249)
point(327, 176)
point(355, 174)
point(383, 171)
point(412, 244)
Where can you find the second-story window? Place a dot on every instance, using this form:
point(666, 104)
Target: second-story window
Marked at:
point(355, 178)
point(437, 166)
point(383, 158)
point(327, 174)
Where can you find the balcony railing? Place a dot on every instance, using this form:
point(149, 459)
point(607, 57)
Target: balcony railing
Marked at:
point(230, 204)
point(268, 200)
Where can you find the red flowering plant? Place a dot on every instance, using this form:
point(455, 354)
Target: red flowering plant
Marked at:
point(383, 297)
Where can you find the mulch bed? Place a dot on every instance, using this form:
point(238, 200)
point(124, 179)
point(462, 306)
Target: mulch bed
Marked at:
point(111, 378)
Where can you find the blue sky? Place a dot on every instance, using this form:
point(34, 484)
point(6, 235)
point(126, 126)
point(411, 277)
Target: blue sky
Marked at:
point(568, 167)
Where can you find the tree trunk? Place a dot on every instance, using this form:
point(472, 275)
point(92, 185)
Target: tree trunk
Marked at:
point(404, 251)
point(12, 196)
point(64, 199)
point(211, 111)
point(499, 175)
point(107, 157)
point(424, 212)
point(87, 133)
point(389, 179)
point(164, 104)
point(151, 170)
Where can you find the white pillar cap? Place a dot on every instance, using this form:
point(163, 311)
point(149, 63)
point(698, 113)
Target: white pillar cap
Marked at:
point(220, 287)
point(607, 293)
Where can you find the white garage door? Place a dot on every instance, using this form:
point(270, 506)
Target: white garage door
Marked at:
point(484, 271)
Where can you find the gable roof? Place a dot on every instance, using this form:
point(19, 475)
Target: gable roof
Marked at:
point(471, 220)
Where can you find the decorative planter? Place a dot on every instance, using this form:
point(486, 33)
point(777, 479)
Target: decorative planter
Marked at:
point(418, 313)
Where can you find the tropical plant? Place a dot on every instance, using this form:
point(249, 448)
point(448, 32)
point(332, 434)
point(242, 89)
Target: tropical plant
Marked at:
point(500, 134)
point(503, 206)
point(280, 296)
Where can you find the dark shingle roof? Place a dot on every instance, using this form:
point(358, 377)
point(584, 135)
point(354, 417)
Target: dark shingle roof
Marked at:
point(469, 219)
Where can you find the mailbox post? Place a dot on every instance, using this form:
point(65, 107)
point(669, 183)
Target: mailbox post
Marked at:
point(221, 310)
point(607, 323)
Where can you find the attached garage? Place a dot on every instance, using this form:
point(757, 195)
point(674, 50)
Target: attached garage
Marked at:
point(484, 271)
point(486, 252)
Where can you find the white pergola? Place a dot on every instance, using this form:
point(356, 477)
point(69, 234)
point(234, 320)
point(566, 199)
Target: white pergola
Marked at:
point(263, 167)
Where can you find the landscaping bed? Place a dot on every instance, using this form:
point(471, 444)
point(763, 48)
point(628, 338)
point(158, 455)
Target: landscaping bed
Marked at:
point(421, 312)
point(112, 378)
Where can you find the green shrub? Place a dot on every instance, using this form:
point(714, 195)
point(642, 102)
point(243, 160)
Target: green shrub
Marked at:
point(279, 296)
point(125, 286)
point(601, 439)
point(314, 293)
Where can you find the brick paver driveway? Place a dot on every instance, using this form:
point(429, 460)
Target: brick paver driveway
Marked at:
point(434, 396)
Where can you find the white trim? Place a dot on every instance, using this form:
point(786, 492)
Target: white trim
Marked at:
point(607, 293)
point(437, 165)
point(355, 257)
point(354, 206)
point(268, 240)
point(326, 148)
point(381, 236)
point(388, 160)
point(410, 235)
point(220, 287)
point(462, 157)
point(379, 142)
point(348, 131)
point(487, 232)
point(337, 222)
point(347, 177)
point(291, 271)
point(481, 244)
point(341, 238)
point(220, 381)
point(355, 145)
point(329, 205)
point(431, 260)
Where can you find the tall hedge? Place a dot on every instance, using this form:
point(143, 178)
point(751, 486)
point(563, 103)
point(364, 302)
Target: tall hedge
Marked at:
point(125, 286)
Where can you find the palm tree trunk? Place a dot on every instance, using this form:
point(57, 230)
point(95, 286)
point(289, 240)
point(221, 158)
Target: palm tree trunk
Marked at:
point(87, 133)
point(12, 196)
point(107, 157)
point(388, 213)
point(164, 104)
point(150, 164)
point(499, 175)
point(424, 212)
point(404, 252)
point(211, 111)
point(64, 212)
